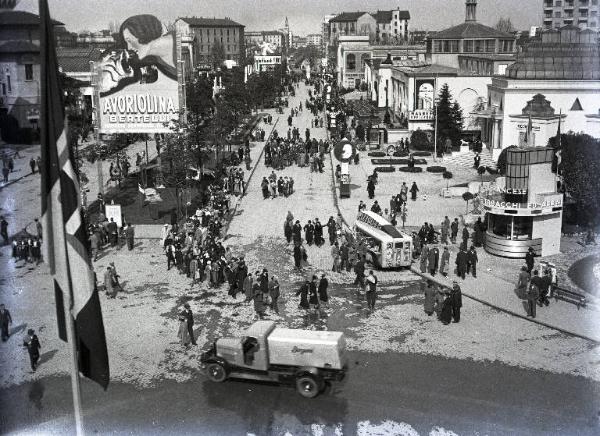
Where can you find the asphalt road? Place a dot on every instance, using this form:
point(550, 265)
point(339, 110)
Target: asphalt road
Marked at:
point(465, 397)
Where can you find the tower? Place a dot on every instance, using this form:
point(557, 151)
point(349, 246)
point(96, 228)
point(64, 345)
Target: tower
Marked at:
point(471, 10)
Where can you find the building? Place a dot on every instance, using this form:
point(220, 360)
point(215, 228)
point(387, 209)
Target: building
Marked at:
point(325, 32)
point(253, 38)
point(524, 209)
point(200, 36)
point(266, 61)
point(101, 39)
point(468, 38)
point(351, 24)
point(314, 39)
point(385, 27)
point(392, 26)
point(299, 41)
point(75, 62)
point(556, 77)
point(580, 13)
point(275, 38)
point(20, 66)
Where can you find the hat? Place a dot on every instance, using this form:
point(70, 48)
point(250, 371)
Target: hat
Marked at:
point(186, 305)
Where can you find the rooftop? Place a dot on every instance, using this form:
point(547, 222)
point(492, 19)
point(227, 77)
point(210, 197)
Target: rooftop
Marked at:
point(425, 68)
point(347, 16)
point(210, 22)
point(76, 60)
point(18, 47)
point(471, 29)
point(21, 18)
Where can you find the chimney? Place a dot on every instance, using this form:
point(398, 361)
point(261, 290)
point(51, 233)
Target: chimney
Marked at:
point(471, 11)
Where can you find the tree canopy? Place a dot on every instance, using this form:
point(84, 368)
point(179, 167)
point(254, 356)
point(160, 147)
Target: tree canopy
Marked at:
point(504, 25)
point(449, 117)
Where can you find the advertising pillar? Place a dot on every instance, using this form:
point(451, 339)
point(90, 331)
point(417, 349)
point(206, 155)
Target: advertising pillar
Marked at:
point(344, 151)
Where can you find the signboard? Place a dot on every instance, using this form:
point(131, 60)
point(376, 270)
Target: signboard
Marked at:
point(344, 150)
point(113, 211)
point(137, 82)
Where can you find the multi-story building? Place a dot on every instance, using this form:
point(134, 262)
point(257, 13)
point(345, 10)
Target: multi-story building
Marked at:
point(392, 26)
point(20, 66)
point(381, 26)
point(325, 32)
point(100, 39)
point(314, 39)
point(275, 38)
point(199, 36)
point(581, 13)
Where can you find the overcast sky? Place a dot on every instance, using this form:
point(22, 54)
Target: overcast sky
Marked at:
point(304, 15)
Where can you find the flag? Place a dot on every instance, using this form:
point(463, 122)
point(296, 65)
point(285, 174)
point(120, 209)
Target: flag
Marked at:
point(65, 239)
point(558, 152)
point(527, 137)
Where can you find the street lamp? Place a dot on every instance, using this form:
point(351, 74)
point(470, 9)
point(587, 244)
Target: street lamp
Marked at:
point(436, 101)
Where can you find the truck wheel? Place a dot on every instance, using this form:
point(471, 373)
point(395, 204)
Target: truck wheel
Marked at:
point(216, 372)
point(307, 386)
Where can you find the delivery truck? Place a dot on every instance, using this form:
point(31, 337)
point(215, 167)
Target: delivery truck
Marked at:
point(306, 358)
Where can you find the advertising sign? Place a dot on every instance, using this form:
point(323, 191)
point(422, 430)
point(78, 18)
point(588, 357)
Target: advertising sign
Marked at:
point(344, 150)
point(114, 211)
point(137, 81)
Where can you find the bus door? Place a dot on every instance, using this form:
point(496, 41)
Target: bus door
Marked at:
point(402, 253)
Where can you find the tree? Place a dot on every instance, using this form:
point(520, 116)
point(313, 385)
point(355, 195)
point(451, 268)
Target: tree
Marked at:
point(447, 175)
point(504, 25)
point(449, 117)
point(419, 140)
point(481, 171)
point(467, 196)
point(217, 54)
point(580, 170)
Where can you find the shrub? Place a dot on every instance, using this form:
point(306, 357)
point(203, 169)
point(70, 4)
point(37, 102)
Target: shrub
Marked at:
point(376, 154)
point(388, 161)
point(436, 169)
point(419, 140)
point(401, 153)
point(421, 153)
point(410, 170)
point(385, 169)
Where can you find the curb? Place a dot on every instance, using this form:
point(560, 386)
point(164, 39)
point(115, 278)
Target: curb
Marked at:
point(226, 230)
point(501, 309)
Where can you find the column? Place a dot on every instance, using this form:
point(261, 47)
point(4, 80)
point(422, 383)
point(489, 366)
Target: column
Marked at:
point(497, 136)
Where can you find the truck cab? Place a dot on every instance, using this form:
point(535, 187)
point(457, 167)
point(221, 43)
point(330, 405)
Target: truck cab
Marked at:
point(266, 352)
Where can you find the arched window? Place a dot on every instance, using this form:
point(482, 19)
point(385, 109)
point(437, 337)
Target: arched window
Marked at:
point(351, 62)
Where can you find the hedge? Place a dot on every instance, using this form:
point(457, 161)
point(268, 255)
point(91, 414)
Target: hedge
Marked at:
point(410, 170)
point(389, 161)
point(421, 153)
point(385, 169)
point(401, 153)
point(436, 169)
point(376, 154)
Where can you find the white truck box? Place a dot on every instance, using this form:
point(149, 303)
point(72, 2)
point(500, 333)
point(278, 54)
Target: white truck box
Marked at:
point(319, 349)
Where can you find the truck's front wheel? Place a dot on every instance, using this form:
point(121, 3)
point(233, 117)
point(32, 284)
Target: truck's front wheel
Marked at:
point(307, 386)
point(216, 372)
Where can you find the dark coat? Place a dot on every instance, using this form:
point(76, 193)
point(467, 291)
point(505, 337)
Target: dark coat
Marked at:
point(461, 261)
point(433, 259)
point(189, 317)
point(303, 292)
point(313, 298)
point(456, 296)
point(472, 257)
point(446, 314)
point(323, 284)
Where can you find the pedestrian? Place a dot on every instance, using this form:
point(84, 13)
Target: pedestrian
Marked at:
point(546, 284)
point(32, 165)
point(183, 333)
point(430, 293)
point(129, 235)
point(109, 284)
point(303, 293)
point(371, 188)
point(371, 290)
point(446, 308)
point(248, 286)
point(297, 256)
point(533, 294)
point(274, 294)
point(472, 261)
point(461, 263)
point(465, 236)
point(39, 228)
point(5, 322)
point(32, 343)
point(424, 258)
point(454, 230)
point(433, 259)
point(522, 282)
point(359, 269)
point(445, 262)
point(313, 296)
point(529, 259)
point(413, 191)
point(5, 172)
point(258, 298)
point(456, 297)
point(323, 285)
point(189, 317)
point(4, 229)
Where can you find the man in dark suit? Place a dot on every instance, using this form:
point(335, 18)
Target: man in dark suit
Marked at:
point(33, 348)
point(129, 233)
point(189, 317)
point(461, 263)
point(456, 298)
point(5, 321)
point(433, 260)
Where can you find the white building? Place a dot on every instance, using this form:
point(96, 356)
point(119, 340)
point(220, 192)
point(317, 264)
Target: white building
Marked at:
point(314, 39)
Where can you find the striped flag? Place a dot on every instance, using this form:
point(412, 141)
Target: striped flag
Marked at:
point(528, 132)
point(65, 239)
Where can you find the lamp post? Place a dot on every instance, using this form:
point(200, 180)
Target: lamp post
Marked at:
point(436, 101)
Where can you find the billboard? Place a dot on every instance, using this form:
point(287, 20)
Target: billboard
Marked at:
point(137, 81)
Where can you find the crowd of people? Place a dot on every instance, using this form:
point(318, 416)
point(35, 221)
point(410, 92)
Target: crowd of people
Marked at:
point(444, 302)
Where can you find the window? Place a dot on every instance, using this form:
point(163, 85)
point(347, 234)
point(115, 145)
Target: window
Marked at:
point(592, 24)
point(8, 84)
point(558, 3)
point(490, 46)
point(557, 14)
point(479, 45)
point(594, 2)
point(28, 72)
point(351, 62)
point(437, 46)
point(468, 46)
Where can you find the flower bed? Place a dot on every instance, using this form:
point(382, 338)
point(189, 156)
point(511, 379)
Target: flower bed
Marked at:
point(436, 169)
point(421, 153)
point(385, 169)
point(410, 170)
point(397, 161)
point(376, 154)
point(401, 154)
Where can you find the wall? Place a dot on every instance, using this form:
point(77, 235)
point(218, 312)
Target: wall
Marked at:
point(548, 228)
point(13, 66)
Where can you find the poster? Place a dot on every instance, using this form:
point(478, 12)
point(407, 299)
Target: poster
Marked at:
point(113, 211)
point(136, 81)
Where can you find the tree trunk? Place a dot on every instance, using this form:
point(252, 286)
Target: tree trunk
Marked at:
point(467, 211)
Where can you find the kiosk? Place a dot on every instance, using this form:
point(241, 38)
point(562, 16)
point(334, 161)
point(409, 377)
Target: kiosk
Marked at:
point(524, 209)
point(344, 152)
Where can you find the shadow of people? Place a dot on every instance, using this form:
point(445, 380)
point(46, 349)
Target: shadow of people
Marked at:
point(47, 356)
point(19, 328)
point(36, 393)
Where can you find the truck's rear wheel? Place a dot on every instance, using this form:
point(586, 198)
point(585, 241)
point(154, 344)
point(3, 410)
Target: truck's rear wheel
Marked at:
point(307, 386)
point(216, 372)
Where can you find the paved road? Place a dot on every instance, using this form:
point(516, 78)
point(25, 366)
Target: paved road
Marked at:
point(424, 392)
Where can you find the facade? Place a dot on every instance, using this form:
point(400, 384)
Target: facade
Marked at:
point(75, 62)
point(524, 209)
point(351, 24)
point(384, 27)
point(20, 66)
point(352, 53)
point(581, 13)
point(199, 36)
point(392, 26)
point(100, 39)
point(468, 38)
point(314, 39)
point(485, 64)
point(276, 39)
point(555, 77)
point(325, 32)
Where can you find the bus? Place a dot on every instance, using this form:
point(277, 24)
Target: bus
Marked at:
point(386, 246)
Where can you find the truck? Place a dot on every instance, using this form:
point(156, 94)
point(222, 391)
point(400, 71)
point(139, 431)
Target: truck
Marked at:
point(305, 358)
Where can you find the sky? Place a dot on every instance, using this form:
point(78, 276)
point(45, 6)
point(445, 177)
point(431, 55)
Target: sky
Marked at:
point(304, 16)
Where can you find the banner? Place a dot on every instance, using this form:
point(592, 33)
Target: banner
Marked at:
point(136, 82)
